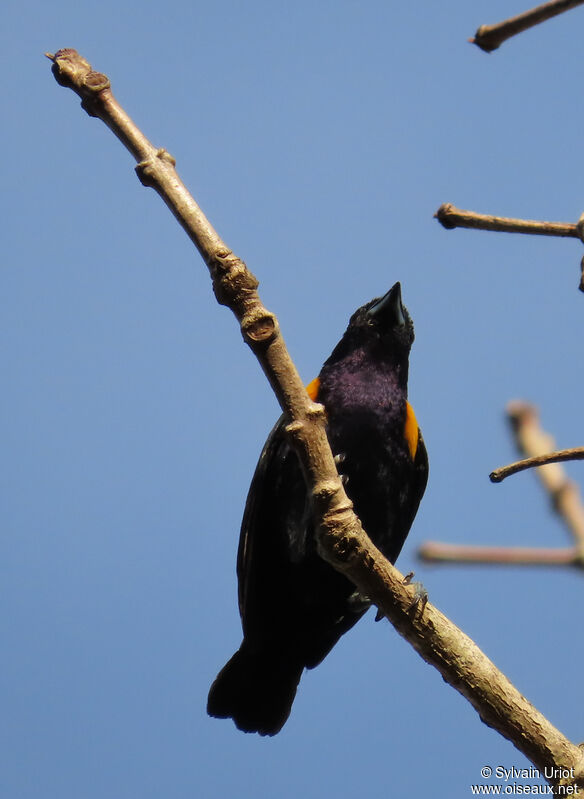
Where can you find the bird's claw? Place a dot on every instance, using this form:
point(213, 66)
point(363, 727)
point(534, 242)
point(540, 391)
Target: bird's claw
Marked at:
point(420, 597)
point(339, 460)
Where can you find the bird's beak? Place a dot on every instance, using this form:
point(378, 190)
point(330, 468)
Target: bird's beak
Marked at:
point(389, 308)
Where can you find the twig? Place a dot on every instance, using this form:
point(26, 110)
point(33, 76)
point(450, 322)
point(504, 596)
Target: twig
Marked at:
point(451, 217)
point(559, 456)
point(490, 37)
point(342, 539)
point(438, 552)
point(531, 440)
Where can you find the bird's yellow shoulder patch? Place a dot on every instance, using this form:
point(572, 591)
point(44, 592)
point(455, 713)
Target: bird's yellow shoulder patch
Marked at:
point(411, 430)
point(312, 389)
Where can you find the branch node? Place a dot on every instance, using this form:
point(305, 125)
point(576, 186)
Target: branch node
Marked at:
point(316, 413)
point(324, 490)
point(147, 169)
point(258, 326)
point(338, 542)
point(232, 280)
point(96, 82)
point(73, 71)
point(69, 68)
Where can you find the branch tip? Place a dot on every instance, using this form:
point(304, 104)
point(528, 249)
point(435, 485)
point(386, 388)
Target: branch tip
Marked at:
point(490, 37)
point(545, 459)
point(451, 217)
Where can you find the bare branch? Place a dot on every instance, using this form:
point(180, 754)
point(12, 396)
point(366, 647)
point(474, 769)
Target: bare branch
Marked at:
point(233, 284)
point(342, 539)
point(531, 440)
point(490, 37)
point(451, 217)
point(559, 456)
point(438, 552)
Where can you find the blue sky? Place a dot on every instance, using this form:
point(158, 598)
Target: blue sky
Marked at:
point(319, 138)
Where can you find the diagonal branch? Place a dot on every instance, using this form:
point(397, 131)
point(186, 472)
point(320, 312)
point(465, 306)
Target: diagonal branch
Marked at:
point(342, 539)
point(490, 37)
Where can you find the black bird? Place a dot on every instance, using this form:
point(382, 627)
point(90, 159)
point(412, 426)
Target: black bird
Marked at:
point(294, 606)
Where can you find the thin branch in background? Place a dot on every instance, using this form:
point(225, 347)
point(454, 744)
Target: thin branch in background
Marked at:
point(490, 37)
point(342, 540)
point(564, 493)
point(559, 456)
point(451, 217)
point(438, 552)
point(533, 441)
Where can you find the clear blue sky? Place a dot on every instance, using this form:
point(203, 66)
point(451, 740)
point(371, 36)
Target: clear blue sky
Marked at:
point(320, 138)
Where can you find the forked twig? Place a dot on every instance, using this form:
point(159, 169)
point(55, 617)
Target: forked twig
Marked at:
point(530, 440)
point(533, 441)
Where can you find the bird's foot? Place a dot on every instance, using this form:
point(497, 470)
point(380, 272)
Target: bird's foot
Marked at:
point(339, 460)
point(420, 597)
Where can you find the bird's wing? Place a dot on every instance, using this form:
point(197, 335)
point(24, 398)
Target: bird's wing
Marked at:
point(273, 524)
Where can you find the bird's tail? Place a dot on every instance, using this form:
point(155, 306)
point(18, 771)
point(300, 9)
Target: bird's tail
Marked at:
point(256, 690)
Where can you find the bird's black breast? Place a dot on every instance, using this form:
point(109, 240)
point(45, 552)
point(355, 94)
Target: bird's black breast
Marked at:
point(378, 471)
